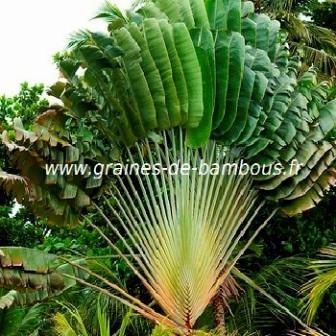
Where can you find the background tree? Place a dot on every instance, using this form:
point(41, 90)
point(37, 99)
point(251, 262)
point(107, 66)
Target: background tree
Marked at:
point(27, 104)
point(307, 32)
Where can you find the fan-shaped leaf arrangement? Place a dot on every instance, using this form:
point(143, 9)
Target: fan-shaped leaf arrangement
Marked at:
point(214, 68)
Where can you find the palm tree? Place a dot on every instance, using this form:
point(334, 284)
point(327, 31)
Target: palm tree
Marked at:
point(192, 83)
point(317, 43)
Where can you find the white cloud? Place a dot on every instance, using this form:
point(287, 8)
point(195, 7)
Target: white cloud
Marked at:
point(33, 30)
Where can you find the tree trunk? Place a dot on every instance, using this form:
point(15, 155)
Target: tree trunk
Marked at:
point(219, 312)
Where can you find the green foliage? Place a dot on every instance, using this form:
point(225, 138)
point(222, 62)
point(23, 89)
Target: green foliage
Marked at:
point(161, 331)
point(22, 229)
point(76, 322)
point(323, 279)
point(27, 104)
point(22, 321)
point(34, 275)
point(253, 310)
point(53, 137)
point(55, 197)
point(301, 236)
point(308, 24)
point(63, 326)
point(260, 104)
point(323, 13)
point(256, 101)
point(304, 235)
point(238, 85)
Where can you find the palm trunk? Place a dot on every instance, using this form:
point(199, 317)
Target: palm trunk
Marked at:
point(227, 291)
point(219, 312)
point(258, 6)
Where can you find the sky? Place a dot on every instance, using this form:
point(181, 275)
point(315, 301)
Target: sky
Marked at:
point(32, 31)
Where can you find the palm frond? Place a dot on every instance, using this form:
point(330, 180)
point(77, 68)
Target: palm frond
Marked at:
point(21, 321)
point(78, 39)
point(318, 43)
point(76, 322)
point(103, 320)
point(281, 308)
point(125, 323)
point(297, 29)
point(31, 319)
point(325, 62)
point(308, 332)
point(322, 38)
point(282, 280)
point(62, 326)
point(276, 6)
point(320, 49)
point(112, 309)
point(323, 278)
point(111, 14)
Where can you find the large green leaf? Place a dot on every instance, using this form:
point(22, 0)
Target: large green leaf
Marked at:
point(153, 78)
point(217, 13)
point(158, 50)
point(236, 71)
point(178, 74)
point(203, 42)
point(192, 74)
point(143, 117)
point(33, 275)
point(245, 98)
point(223, 42)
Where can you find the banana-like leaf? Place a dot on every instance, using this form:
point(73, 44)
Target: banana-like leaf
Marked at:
point(138, 84)
point(33, 275)
point(153, 77)
point(15, 184)
point(8, 300)
point(178, 72)
point(235, 74)
point(54, 196)
point(204, 46)
point(192, 73)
